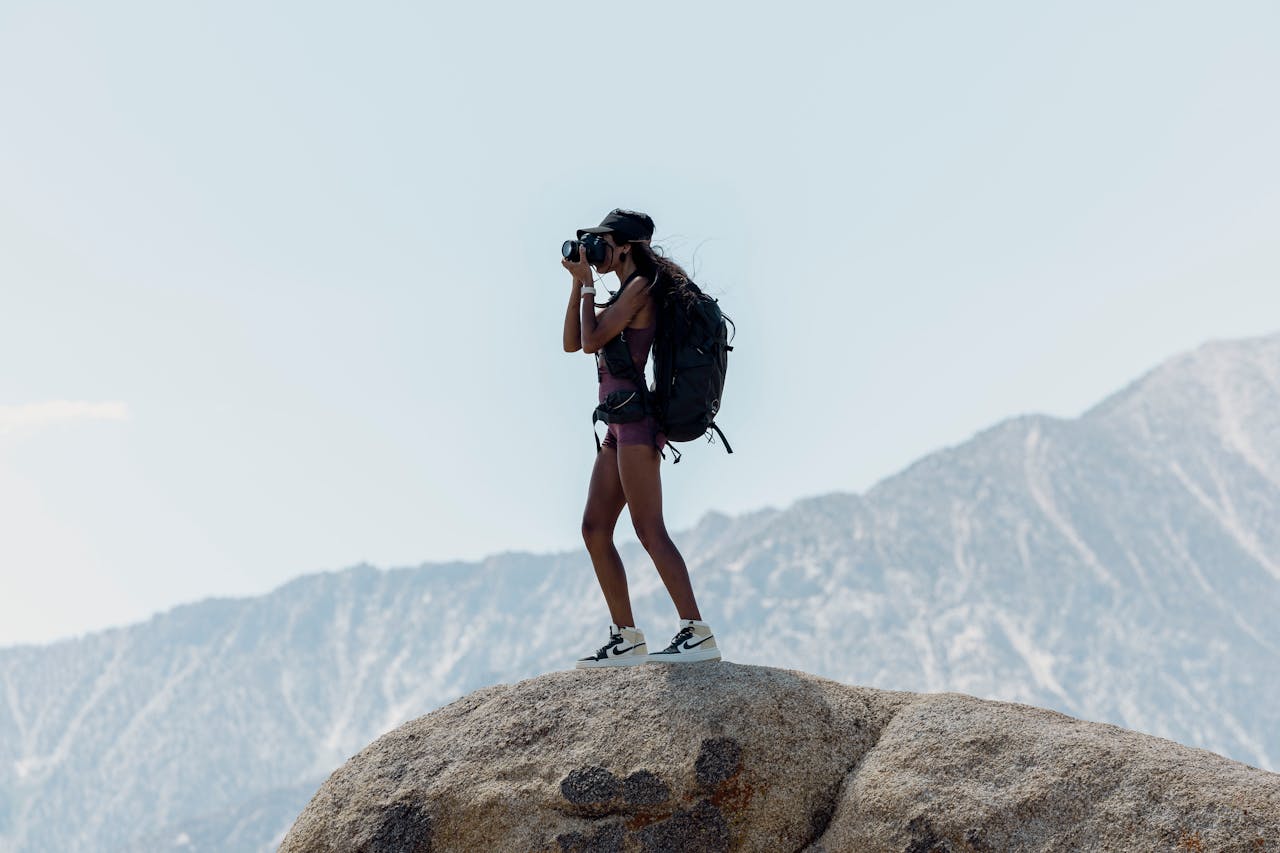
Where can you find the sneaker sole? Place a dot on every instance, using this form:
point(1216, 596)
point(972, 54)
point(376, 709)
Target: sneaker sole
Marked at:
point(684, 657)
point(621, 660)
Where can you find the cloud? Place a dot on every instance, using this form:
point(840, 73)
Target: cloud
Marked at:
point(30, 417)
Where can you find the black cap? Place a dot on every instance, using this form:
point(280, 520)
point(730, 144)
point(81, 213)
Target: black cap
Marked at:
point(627, 224)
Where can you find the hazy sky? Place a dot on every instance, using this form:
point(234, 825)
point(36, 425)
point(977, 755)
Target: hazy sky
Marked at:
point(281, 282)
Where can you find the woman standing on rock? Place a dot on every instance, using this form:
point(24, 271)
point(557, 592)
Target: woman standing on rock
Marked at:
point(626, 470)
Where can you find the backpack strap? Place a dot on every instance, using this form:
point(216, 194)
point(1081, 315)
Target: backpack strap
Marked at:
point(620, 349)
point(653, 434)
point(614, 296)
point(722, 438)
point(622, 355)
point(637, 377)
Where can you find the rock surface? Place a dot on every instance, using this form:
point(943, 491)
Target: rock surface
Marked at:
point(724, 756)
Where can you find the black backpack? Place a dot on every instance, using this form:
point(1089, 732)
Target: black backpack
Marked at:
point(690, 360)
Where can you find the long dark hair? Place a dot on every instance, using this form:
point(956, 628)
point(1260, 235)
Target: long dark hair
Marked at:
point(671, 283)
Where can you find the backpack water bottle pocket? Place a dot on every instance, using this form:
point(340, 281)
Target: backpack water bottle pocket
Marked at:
point(621, 407)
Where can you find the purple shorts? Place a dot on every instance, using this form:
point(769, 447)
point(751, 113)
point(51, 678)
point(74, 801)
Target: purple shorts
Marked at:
point(636, 432)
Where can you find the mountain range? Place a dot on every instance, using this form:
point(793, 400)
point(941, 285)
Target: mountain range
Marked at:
point(1122, 566)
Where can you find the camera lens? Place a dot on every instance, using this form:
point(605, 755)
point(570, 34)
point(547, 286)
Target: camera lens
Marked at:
point(593, 246)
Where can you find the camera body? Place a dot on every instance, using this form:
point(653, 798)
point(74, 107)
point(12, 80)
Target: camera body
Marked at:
point(594, 246)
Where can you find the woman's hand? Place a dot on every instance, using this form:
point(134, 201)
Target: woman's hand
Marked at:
point(580, 268)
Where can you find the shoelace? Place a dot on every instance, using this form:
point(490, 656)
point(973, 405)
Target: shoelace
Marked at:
point(685, 633)
point(614, 639)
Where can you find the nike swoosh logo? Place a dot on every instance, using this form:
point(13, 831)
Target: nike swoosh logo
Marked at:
point(618, 651)
point(688, 645)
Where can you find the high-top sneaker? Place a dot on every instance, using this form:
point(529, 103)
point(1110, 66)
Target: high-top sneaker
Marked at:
point(693, 642)
point(626, 647)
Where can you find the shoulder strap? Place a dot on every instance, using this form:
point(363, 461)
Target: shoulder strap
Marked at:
point(622, 354)
point(722, 438)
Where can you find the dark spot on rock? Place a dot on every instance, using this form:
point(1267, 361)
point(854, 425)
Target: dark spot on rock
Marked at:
point(973, 837)
point(821, 819)
point(701, 829)
point(717, 760)
point(606, 839)
point(403, 828)
point(590, 785)
point(644, 788)
point(924, 839)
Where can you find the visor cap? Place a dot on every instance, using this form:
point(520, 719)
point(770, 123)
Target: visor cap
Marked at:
point(625, 224)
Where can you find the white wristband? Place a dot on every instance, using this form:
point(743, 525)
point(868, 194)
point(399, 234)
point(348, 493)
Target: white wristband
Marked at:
point(588, 291)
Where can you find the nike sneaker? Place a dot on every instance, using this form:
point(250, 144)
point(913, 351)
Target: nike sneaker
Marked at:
point(692, 643)
point(625, 648)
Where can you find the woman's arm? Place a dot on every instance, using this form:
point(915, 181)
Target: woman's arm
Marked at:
point(572, 331)
point(598, 330)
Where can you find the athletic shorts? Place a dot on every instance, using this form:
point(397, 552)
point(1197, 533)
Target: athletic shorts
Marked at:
point(636, 432)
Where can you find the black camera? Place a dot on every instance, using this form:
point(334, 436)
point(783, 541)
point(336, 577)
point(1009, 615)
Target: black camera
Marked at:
point(595, 246)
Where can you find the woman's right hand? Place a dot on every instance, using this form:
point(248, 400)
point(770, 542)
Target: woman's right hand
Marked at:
point(580, 269)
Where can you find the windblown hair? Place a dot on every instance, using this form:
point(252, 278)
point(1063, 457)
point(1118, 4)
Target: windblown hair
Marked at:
point(670, 280)
point(673, 288)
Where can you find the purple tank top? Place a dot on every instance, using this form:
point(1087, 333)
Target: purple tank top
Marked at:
point(638, 342)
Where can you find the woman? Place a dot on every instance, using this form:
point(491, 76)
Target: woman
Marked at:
point(627, 464)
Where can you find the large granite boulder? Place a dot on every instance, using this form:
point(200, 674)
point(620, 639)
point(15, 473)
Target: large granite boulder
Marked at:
point(723, 756)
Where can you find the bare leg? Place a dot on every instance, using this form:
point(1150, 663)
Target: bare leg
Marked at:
point(638, 469)
point(605, 500)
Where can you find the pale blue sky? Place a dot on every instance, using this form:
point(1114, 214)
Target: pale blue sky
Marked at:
point(281, 282)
